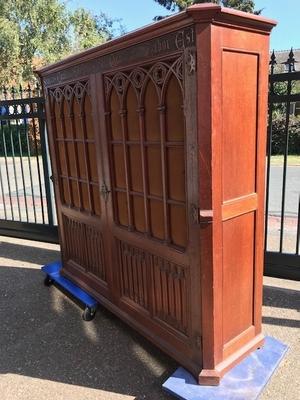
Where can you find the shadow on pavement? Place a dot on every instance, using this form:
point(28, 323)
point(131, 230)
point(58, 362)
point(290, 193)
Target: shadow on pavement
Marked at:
point(42, 335)
point(281, 297)
point(35, 255)
point(292, 323)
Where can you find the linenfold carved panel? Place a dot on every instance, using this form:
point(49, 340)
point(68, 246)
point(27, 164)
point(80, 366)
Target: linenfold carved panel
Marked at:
point(156, 284)
point(171, 293)
point(94, 248)
point(84, 246)
point(74, 237)
point(134, 279)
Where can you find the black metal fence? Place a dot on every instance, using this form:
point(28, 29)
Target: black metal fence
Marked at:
point(26, 200)
point(282, 257)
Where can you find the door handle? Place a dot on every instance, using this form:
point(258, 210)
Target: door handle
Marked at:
point(104, 191)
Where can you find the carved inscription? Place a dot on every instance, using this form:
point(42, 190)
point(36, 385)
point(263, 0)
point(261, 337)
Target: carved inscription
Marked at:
point(114, 60)
point(185, 38)
point(160, 46)
point(164, 45)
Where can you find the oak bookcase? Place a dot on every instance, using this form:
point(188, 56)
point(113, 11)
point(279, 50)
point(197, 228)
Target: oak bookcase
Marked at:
point(158, 141)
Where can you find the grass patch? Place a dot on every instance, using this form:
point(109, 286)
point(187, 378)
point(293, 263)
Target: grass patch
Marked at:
point(291, 160)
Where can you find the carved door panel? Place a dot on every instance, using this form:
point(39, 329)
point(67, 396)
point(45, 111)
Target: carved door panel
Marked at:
point(146, 125)
point(77, 167)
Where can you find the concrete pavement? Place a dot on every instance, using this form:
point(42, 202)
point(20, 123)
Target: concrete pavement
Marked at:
point(48, 352)
point(292, 198)
point(292, 190)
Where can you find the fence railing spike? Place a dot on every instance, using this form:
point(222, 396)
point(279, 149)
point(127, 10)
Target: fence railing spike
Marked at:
point(29, 90)
point(5, 92)
point(291, 61)
point(13, 92)
point(273, 61)
point(21, 91)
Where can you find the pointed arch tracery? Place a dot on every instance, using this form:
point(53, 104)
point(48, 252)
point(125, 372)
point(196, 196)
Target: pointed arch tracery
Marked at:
point(145, 121)
point(74, 140)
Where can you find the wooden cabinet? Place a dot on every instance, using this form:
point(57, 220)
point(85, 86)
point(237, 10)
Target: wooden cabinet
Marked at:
point(158, 145)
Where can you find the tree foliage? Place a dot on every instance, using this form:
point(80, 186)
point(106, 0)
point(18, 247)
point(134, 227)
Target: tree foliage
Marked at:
point(9, 49)
point(279, 133)
point(36, 32)
point(180, 5)
point(279, 114)
point(91, 30)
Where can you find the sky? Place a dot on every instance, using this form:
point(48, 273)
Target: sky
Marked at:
point(137, 13)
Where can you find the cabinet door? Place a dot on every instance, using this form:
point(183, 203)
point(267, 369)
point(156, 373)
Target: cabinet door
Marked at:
point(77, 170)
point(152, 242)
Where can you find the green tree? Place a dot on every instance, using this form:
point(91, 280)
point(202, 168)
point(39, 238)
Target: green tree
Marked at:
point(279, 111)
point(90, 30)
point(180, 5)
point(9, 50)
point(42, 31)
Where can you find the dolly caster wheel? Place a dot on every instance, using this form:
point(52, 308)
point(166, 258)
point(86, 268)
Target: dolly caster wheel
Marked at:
point(48, 281)
point(88, 314)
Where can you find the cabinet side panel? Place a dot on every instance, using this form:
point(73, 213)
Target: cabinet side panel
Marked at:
point(238, 261)
point(239, 142)
point(239, 94)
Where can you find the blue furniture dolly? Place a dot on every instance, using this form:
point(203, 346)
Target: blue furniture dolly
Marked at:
point(53, 274)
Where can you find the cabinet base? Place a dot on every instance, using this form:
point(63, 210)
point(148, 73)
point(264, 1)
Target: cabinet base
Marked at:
point(245, 381)
point(212, 377)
